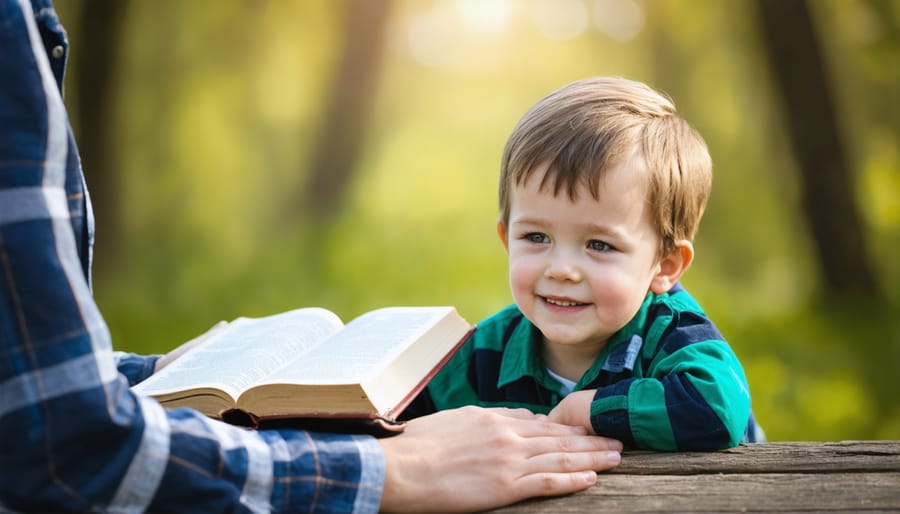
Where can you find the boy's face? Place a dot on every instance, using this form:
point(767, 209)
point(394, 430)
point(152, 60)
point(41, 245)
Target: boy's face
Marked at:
point(579, 270)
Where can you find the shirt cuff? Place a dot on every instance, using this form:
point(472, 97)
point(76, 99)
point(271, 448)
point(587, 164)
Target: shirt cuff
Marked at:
point(609, 412)
point(371, 476)
point(136, 368)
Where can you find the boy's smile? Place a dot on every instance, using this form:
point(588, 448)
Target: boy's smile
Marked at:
point(580, 268)
point(563, 303)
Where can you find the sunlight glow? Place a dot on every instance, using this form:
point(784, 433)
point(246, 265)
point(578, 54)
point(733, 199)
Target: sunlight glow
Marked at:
point(561, 20)
point(621, 20)
point(430, 37)
point(473, 34)
point(458, 34)
point(484, 16)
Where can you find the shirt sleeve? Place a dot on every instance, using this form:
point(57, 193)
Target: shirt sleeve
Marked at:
point(692, 396)
point(134, 367)
point(73, 436)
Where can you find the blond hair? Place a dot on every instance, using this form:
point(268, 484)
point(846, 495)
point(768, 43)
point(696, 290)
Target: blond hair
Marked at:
point(583, 128)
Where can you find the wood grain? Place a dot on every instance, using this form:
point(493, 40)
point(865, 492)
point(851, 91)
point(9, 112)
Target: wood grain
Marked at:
point(768, 458)
point(851, 476)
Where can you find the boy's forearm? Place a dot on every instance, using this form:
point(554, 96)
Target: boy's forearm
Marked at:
point(701, 402)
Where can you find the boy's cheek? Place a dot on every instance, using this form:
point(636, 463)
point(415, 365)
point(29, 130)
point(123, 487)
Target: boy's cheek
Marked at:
point(521, 278)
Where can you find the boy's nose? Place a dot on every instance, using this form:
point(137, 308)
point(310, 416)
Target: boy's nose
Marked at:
point(562, 267)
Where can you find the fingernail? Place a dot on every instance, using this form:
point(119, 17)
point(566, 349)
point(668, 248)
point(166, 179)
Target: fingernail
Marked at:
point(614, 457)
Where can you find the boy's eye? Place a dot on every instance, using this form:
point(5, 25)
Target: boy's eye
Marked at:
point(599, 246)
point(537, 237)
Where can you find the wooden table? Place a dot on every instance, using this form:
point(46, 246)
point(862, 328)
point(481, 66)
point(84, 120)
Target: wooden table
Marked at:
point(850, 476)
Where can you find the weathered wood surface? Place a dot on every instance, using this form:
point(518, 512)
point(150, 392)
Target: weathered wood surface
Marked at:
point(769, 458)
point(851, 476)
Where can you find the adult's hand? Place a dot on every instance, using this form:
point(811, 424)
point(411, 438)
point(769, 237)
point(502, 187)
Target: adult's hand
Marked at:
point(473, 458)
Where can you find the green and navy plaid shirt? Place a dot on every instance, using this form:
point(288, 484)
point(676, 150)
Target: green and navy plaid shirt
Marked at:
point(73, 436)
point(666, 381)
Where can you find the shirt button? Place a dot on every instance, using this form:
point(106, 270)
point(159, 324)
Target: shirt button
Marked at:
point(58, 51)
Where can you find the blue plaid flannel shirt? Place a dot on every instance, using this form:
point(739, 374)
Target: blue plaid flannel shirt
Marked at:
point(73, 437)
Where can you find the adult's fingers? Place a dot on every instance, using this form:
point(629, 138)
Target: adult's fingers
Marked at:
point(581, 456)
point(552, 484)
point(569, 443)
point(529, 424)
point(519, 413)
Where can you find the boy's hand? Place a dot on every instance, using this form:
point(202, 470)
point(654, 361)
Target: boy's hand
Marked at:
point(575, 410)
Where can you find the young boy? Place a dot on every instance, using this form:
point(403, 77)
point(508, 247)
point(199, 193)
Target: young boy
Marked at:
point(602, 188)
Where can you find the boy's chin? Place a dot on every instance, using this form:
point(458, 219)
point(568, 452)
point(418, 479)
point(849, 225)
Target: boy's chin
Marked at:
point(569, 338)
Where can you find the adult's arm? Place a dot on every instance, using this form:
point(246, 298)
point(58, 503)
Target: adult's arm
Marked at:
point(72, 434)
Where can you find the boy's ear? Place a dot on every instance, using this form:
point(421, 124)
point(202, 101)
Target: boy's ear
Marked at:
point(501, 231)
point(672, 266)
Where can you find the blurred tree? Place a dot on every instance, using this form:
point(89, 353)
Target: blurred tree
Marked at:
point(797, 68)
point(341, 135)
point(666, 64)
point(99, 26)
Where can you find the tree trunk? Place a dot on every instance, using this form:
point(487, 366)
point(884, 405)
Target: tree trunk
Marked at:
point(797, 68)
point(100, 27)
point(341, 136)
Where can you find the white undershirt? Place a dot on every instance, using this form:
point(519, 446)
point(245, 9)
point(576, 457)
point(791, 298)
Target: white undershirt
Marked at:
point(567, 385)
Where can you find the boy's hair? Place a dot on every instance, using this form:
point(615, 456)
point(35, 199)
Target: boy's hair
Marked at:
point(583, 128)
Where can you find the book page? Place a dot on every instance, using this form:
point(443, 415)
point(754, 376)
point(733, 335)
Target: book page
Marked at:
point(248, 350)
point(361, 347)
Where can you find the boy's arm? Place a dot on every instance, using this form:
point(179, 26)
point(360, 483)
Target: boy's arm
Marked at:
point(694, 395)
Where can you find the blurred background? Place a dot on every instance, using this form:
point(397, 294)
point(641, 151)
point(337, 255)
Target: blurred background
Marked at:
point(251, 156)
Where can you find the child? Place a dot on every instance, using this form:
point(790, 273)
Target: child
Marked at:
point(602, 188)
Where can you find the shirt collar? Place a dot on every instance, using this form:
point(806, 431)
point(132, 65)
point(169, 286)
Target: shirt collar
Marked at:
point(522, 356)
point(522, 353)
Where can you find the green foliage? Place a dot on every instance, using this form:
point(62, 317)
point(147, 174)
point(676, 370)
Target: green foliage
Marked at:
point(823, 372)
point(218, 108)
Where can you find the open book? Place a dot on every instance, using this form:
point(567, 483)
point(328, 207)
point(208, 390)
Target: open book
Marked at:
point(306, 363)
